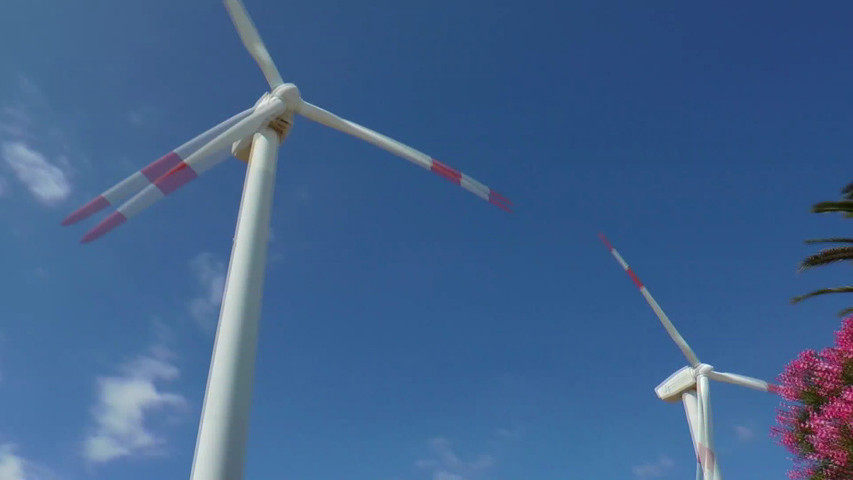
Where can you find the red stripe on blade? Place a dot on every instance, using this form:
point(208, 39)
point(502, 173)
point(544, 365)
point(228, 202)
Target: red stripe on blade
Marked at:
point(499, 202)
point(449, 173)
point(176, 178)
point(497, 196)
point(635, 278)
point(606, 243)
point(156, 170)
point(95, 205)
point(105, 226)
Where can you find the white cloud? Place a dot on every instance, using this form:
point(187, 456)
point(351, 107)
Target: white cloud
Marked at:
point(37, 149)
point(45, 181)
point(15, 467)
point(448, 466)
point(11, 465)
point(653, 469)
point(124, 402)
point(209, 274)
point(744, 433)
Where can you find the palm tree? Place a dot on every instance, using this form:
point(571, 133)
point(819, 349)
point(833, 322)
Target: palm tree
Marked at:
point(835, 253)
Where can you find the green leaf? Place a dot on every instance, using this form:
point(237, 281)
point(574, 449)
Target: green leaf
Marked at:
point(824, 257)
point(822, 291)
point(828, 207)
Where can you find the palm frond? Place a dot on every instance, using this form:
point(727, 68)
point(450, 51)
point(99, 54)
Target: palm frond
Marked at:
point(829, 240)
point(827, 256)
point(844, 206)
point(823, 291)
point(846, 311)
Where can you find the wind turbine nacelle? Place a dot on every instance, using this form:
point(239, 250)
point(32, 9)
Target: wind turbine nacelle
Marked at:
point(242, 149)
point(670, 390)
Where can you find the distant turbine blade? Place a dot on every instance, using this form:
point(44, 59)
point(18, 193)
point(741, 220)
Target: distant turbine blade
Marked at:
point(421, 159)
point(743, 381)
point(670, 328)
point(252, 41)
point(150, 173)
point(707, 455)
point(207, 157)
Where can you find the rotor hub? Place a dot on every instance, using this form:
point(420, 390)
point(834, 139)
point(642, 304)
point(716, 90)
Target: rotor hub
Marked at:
point(702, 369)
point(289, 94)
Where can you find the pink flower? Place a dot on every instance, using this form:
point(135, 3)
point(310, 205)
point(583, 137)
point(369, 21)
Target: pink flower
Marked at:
point(844, 336)
point(815, 421)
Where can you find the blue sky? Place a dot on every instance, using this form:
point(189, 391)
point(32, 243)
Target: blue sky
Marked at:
point(411, 331)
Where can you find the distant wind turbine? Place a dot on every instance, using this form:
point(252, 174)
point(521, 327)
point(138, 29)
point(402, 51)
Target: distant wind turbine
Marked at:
point(253, 136)
point(690, 384)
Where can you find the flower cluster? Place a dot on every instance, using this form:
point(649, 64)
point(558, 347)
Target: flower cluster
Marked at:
point(815, 422)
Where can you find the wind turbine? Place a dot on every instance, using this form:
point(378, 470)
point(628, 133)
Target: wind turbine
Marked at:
point(691, 385)
point(253, 136)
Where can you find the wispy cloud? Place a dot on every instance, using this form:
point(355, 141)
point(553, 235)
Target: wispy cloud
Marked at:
point(16, 467)
point(653, 469)
point(15, 122)
point(45, 181)
point(123, 404)
point(18, 118)
point(143, 115)
point(744, 433)
point(208, 273)
point(35, 152)
point(509, 433)
point(446, 464)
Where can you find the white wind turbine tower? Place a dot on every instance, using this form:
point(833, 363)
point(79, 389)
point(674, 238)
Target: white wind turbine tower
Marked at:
point(253, 136)
point(690, 384)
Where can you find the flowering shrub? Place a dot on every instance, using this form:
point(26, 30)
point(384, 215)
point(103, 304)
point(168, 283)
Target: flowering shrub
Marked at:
point(815, 422)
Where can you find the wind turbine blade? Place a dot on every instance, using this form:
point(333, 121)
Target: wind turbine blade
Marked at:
point(743, 381)
point(143, 178)
point(707, 455)
point(419, 158)
point(252, 41)
point(667, 324)
point(207, 157)
point(691, 409)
